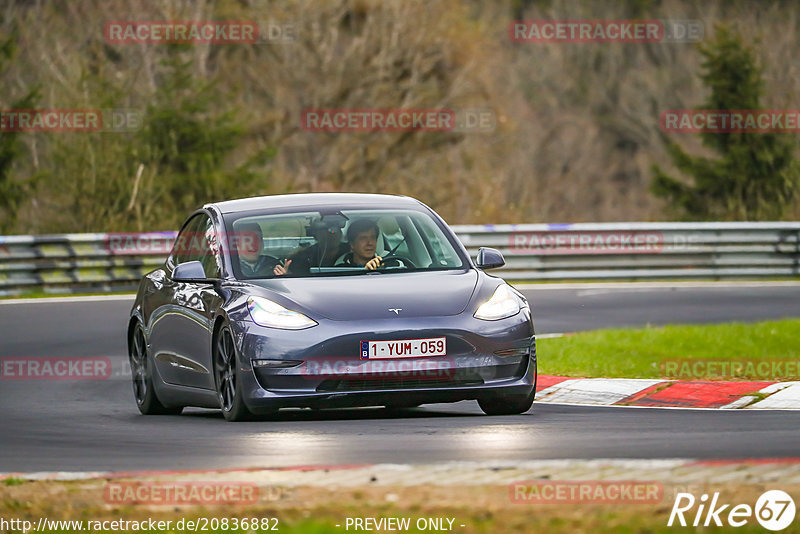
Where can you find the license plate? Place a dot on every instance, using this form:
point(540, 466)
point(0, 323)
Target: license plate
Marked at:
point(403, 348)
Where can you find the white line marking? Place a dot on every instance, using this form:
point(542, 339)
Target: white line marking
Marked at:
point(59, 300)
point(777, 386)
point(741, 402)
point(548, 336)
point(654, 285)
point(597, 391)
point(782, 398)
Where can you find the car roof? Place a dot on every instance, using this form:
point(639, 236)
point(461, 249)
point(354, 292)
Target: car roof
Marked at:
point(314, 200)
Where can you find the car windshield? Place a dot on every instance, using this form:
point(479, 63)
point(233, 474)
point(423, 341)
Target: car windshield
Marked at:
point(339, 243)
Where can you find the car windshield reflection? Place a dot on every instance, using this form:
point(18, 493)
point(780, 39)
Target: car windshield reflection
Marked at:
point(341, 243)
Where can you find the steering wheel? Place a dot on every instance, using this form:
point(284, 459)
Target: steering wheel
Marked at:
point(402, 261)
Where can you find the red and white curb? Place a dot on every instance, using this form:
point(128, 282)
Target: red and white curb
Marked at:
point(675, 471)
point(668, 393)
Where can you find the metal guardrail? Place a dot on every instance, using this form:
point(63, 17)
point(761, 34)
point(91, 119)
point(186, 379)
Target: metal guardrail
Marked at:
point(535, 252)
point(70, 263)
point(636, 251)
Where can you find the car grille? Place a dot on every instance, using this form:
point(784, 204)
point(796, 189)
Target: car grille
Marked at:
point(358, 384)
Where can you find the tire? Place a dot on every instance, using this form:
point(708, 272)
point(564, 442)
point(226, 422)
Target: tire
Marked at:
point(507, 405)
point(512, 404)
point(142, 377)
point(226, 378)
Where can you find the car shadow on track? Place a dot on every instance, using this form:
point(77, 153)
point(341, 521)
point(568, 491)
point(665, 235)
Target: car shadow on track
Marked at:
point(343, 414)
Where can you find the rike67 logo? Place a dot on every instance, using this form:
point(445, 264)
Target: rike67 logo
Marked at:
point(774, 510)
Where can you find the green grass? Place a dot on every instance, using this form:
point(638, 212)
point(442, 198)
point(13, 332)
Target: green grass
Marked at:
point(11, 481)
point(315, 510)
point(642, 352)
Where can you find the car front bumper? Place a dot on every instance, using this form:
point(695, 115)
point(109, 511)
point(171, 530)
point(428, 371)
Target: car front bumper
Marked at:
point(485, 359)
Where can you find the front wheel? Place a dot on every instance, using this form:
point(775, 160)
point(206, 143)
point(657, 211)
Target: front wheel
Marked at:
point(511, 405)
point(226, 375)
point(143, 391)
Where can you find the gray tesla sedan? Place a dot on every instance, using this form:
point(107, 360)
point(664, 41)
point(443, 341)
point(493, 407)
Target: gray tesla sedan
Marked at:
point(323, 301)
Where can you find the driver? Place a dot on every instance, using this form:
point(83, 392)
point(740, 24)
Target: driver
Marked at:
point(363, 238)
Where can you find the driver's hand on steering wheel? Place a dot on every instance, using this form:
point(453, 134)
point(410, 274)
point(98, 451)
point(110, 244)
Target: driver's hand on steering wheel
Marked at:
point(374, 263)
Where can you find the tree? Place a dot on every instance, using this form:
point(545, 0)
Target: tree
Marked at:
point(756, 174)
point(188, 136)
point(12, 192)
point(149, 178)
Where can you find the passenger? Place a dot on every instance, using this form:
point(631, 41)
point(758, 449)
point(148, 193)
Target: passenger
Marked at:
point(249, 246)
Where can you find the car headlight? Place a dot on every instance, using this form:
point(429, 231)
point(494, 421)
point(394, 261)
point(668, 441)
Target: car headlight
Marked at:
point(504, 303)
point(523, 302)
point(267, 313)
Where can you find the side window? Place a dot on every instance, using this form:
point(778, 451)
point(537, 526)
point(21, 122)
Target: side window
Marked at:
point(186, 244)
point(198, 242)
point(211, 248)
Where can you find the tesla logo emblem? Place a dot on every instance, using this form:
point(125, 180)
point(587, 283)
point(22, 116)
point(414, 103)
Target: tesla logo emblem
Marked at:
point(396, 310)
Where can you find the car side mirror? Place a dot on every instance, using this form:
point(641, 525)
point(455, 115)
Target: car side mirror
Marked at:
point(191, 271)
point(489, 258)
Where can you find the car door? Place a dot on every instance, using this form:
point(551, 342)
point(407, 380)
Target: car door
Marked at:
point(181, 333)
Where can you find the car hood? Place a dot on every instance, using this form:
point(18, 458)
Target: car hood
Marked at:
point(372, 296)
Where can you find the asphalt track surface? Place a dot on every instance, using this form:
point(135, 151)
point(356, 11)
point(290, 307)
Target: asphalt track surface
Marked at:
point(94, 425)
